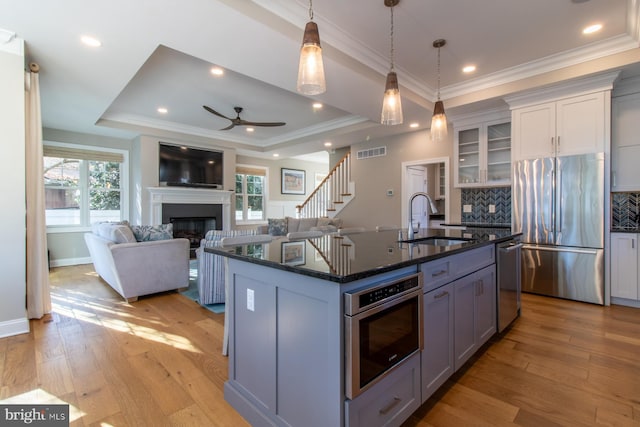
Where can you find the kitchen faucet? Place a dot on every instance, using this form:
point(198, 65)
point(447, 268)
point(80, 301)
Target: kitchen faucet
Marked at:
point(432, 207)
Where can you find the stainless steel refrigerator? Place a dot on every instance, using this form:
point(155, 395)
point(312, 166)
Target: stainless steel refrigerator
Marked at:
point(558, 205)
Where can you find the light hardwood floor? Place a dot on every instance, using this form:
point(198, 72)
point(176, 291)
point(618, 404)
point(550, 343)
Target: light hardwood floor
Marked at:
point(158, 362)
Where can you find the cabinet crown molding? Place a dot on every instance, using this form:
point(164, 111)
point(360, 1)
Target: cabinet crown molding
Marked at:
point(580, 86)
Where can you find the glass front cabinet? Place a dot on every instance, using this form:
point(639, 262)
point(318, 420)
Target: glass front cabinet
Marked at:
point(482, 153)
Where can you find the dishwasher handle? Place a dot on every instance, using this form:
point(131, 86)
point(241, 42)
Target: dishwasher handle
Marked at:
point(511, 247)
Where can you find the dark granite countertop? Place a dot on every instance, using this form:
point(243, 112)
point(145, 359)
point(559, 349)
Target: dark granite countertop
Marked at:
point(624, 230)
point(475, 225)
point(343, 259)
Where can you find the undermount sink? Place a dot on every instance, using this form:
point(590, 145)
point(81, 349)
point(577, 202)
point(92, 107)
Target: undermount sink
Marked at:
point(439, 241)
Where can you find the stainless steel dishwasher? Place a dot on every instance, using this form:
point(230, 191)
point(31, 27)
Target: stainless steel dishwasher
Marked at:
point(508, 282)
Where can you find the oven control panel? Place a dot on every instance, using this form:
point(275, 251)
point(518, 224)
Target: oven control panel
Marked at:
point(357, 301)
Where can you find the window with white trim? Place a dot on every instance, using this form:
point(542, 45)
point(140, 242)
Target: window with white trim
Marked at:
point(251, 183)
point(83, 185)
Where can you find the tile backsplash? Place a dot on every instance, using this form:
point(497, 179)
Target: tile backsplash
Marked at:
point(480, 198)
point(625, 208)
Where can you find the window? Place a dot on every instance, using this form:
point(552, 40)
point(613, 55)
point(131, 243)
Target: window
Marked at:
point(250, 193)
point(83, 186)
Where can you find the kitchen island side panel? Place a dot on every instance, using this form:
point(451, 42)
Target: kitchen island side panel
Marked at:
point(285, 347)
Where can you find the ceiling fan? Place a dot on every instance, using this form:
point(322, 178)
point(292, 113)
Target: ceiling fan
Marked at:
point(240, 122)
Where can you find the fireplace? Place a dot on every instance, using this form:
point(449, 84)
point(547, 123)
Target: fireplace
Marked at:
point(164, 196)
point(192, 220)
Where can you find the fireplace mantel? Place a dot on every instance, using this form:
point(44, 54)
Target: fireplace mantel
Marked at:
point(160, 195)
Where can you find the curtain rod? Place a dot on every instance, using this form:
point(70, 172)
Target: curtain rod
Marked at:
point(34, 67)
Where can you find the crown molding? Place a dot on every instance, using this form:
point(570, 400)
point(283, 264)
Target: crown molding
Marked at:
point(579, 86)
point(544, 65)
point(9, 43)
point(320, 128)
point(146, 123)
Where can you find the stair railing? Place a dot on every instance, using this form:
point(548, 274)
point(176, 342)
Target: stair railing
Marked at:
point(331, 191)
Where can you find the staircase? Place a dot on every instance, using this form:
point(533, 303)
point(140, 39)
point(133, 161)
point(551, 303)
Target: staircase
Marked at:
point(333, 193)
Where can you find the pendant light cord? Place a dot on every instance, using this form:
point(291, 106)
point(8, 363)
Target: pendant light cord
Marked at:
point(391, 37)
point(311, 10)
point(438, 74)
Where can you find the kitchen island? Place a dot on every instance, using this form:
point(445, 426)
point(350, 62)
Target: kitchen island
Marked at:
point(291, 348)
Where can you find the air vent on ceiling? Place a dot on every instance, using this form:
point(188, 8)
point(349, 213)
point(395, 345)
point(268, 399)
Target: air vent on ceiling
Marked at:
point(372, 152)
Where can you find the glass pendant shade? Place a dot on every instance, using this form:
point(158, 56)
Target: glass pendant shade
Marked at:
point(311, 69)
point(391, 104)
point(438, 123)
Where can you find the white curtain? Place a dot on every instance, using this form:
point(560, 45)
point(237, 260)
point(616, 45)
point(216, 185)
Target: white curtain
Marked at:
point(38, 296)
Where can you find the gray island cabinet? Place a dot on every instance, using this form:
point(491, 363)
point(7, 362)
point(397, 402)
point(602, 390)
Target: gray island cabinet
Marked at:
point(286, 318)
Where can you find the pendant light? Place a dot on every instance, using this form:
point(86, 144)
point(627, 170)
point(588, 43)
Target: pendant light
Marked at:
point(439, 119)
point(391, 104)
point(311, 70)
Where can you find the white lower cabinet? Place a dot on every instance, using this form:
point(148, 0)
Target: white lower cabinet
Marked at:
point(459, 317)
point(624, 268)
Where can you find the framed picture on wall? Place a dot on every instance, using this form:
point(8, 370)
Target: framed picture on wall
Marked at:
point(293, 181)
point(294, 253)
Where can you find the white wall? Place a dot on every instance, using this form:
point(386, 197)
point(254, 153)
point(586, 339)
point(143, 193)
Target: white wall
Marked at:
point(374, 176)
point(13, 316)
point(146, 164)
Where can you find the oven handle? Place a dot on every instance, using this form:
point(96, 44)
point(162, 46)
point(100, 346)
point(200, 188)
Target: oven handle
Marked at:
point(388, 304)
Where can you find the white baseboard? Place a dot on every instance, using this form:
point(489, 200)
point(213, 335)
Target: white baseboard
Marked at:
point(14, 327)
point(65, 262)
point(625, 302)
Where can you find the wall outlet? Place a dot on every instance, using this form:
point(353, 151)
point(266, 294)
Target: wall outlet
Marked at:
point(390, 192)
point(492, 208)
point(251, 301)
point(466, 208)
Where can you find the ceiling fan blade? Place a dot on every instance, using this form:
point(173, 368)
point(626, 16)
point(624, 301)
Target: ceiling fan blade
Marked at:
point(267, 124)
point(231, 126)
point(212, 111)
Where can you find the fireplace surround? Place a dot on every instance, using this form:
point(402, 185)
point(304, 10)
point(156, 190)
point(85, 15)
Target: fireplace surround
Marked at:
point(221, 200)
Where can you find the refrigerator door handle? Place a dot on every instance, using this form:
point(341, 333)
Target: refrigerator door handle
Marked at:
point(560, 249)
point(559, 230)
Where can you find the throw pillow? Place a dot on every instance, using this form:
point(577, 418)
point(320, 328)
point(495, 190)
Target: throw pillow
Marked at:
point(95, 227)
point(146, 233)
point(293, 224)
point(277, 226)
point(307, 223)
point(121, 234)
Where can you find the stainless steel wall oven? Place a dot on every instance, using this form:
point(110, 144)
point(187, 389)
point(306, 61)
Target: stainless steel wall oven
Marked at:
point(383, 326)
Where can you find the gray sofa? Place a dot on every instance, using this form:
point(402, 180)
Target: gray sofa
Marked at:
point(283, 226)
point(135, 268)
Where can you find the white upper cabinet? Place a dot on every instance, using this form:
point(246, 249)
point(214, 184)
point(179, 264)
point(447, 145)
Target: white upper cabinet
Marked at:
point(482, 152)
point(625, 144)
point(574, 125)
point(562, 120)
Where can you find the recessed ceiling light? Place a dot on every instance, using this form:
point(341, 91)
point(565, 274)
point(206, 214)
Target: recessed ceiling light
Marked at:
point(317, 105)
point(276, 154)
point(328, 144)
point(90, 41)
point(250, 129)
point(592, 29)
point(217, 71)
point(162, 110)
point(469, 69)
point(414, 125)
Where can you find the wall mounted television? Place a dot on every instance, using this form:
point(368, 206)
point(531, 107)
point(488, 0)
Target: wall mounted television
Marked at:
point(190, 167)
